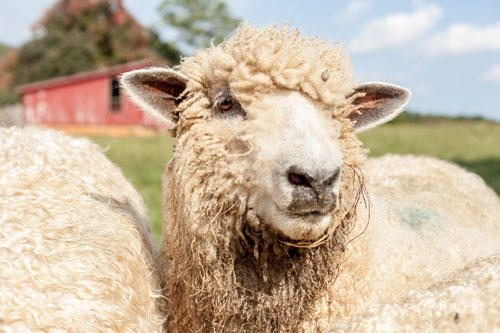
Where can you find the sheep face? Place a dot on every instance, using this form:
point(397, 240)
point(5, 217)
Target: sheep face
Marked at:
point(296, 179)
point(280, 148)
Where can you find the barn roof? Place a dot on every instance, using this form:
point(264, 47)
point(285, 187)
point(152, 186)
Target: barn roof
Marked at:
point(69, 79)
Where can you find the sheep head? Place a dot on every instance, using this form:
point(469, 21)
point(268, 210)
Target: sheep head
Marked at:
point(279, 104)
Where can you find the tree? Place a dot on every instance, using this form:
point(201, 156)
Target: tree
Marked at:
point(199, 22)
point(8, 60)
point(115, 34)
point(81, 35)
point(165, 50)
point(55, 55)
point(3, 49)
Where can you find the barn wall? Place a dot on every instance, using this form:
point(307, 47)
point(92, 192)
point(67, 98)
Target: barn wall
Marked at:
point(83, 102)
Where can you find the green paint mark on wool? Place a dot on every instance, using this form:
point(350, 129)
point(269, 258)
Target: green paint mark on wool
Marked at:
point(417, 217)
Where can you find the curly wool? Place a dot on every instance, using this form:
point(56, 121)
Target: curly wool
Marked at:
point(75, 246)
point(428, 218)
point(257, 60)
point(468, 301)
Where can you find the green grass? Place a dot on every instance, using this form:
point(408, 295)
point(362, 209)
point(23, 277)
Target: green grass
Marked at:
point(472, 144)
point(143, 161)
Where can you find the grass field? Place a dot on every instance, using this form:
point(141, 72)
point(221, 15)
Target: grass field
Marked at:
point(472, 144)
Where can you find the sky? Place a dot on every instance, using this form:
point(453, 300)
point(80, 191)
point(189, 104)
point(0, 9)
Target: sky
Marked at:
point(446, 52)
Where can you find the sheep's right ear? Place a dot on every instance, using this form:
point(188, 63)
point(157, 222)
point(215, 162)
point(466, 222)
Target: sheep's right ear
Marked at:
point(156, 91)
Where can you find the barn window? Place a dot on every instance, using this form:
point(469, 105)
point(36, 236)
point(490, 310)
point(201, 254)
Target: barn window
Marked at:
point(116, 101)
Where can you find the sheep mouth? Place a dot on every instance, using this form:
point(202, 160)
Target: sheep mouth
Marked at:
point(313, 214)
point(298, 226)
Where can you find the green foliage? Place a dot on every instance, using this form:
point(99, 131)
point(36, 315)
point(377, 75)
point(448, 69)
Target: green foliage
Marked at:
point(165, 50)
point(8, 97)
point(8, 58)
point(199, 21)
point(407, 117)
point(416, 118)
point(3, 49)
point(81, 35)
point(143, 163)
point(55, 54)
point(115, 35)
point(473, 144)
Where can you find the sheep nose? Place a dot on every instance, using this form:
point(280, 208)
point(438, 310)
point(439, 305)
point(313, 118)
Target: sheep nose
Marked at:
point(312, 194)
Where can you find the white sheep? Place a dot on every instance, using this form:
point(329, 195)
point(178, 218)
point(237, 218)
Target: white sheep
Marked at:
point(429, 217)
point(76, 253)
point(468, 301)
point(265, 202)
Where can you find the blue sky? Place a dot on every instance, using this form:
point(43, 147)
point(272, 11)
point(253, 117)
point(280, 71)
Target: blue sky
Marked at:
point(446, 52)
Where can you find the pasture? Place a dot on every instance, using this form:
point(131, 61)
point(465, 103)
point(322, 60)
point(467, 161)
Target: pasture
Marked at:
point(474, 145)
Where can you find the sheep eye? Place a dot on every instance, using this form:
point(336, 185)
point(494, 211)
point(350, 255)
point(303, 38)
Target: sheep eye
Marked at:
point(226, 104)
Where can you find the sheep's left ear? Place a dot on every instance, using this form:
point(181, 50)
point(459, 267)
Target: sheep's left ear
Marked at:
point(380, 103)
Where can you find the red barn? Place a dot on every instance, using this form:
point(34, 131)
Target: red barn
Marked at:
point(91, 98)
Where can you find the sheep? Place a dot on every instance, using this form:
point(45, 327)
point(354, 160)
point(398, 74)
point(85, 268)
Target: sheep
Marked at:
point(450, 215)
point(267, 218)
point(76, 252)
point(468, 301)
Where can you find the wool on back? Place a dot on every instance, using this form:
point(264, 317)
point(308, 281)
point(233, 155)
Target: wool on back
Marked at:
point(75, 246)
point(466, 301)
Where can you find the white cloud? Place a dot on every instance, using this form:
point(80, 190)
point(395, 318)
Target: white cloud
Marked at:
point(462, 38)
point(395, 29)
point(493, 74)
point(353, 11)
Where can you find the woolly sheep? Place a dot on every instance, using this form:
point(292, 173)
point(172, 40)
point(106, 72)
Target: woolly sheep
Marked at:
point(75, 246)
point(469, 301)
point(265, 201)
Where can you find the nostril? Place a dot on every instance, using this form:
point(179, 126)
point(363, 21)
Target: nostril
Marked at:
point(297, 178)
point(311, 195)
